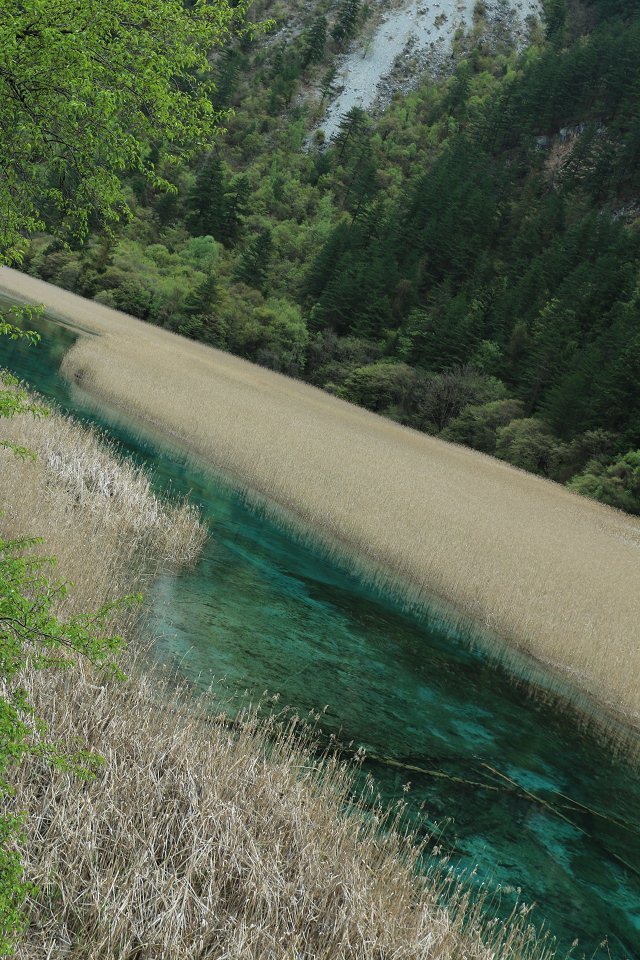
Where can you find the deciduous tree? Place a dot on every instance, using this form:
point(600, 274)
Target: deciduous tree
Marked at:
point(84, 89)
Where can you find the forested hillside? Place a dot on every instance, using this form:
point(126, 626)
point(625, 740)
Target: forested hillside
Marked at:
point(466, 262)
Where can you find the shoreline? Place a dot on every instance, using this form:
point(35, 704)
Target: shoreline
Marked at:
point(185, 794)
point(544, 679)
point(553, 576)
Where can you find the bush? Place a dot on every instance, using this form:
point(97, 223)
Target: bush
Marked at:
point(125, 292)
point(441, 397)
point(527, 443)
point(478, 424)
point(380, 385)
point(571, 458)
point(617, 484)
point(331, 358)
point(273, 334)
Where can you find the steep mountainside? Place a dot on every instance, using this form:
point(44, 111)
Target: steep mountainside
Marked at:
point(465, 261)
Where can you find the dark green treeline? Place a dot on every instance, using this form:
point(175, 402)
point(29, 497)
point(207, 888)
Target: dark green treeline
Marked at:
point(466, 263)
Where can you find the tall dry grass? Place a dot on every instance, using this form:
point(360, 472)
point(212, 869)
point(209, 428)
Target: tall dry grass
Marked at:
point(523, 560)
point(198, 838)
point(110, 531)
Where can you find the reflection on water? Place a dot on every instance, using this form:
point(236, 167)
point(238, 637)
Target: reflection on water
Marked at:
point(515, 790)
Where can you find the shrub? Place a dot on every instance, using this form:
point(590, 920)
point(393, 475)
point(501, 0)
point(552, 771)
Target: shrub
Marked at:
point(380, 385)
point(478, 424)
point(441, 397)
point(526, 443)
point(275, 335)
point(572, 457)
point(617, 484)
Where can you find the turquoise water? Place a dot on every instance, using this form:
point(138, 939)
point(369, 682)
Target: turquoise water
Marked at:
point(268, 614)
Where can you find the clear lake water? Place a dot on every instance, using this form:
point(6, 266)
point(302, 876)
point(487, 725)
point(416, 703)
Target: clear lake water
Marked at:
point(506, 786)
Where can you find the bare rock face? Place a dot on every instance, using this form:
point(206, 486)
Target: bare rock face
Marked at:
point(412, 40)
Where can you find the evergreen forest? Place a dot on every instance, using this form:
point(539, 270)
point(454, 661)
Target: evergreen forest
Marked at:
point(465, 261)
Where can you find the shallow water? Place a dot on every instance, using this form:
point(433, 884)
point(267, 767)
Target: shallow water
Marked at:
point(268, 614)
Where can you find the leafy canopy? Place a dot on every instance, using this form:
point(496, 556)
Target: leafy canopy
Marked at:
point(86, 86)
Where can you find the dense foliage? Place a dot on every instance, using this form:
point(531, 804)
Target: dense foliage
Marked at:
point(84, 87)
point(466, 263)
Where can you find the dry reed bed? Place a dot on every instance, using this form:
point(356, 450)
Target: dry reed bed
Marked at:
point(544, 570)
point(197, 838)
point(127, 531)
point(195, 841)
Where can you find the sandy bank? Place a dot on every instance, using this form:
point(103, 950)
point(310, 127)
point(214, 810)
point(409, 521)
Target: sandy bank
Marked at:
point(550, 572)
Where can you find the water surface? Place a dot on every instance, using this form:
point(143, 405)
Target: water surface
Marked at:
point(505, 784)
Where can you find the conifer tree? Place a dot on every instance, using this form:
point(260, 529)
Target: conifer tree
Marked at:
point(236, 200)
point(352, 127)
point(328, 82)
point(217, 206)
point(201, 300)
point(363, 185)
point(255, 262)
point(347, 21)
point(314, 42)
point(207, 199)
point(227, 77)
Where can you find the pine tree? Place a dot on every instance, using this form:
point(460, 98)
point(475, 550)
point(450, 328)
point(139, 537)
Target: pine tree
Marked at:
point(328, 82)
point(201, 299)
point(314, 42)
point(255, 262)
point(363, 185)
point(327, 260)
point(350, 132)
point(347, 22)
point(236, 199)
point(227, 78)
point(217, 206)
point(207, 198)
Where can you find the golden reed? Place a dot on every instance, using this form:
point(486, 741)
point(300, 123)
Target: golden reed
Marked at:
point(198, 837)
point(519, 559)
